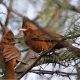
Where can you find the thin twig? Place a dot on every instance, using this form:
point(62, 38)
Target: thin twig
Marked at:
point(3, 27)
point(52, 72)
point(9, 11)
point(68, 6)
point(20, 15)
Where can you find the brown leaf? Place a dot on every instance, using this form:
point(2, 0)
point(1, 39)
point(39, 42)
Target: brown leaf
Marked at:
point(10, 51)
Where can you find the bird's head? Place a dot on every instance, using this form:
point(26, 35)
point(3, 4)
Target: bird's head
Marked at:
point(28, 25)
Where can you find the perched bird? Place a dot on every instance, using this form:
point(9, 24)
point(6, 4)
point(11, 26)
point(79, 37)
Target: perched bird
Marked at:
point(39, 39)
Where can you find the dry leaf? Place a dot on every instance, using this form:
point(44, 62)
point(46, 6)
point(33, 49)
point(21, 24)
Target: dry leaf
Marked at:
point(10, 51)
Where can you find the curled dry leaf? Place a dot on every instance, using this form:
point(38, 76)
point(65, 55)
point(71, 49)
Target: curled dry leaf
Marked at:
point(9, 50)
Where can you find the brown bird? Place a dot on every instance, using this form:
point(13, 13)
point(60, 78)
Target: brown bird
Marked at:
point(39, 39)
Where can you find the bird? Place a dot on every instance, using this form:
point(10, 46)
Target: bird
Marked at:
point(39, 39)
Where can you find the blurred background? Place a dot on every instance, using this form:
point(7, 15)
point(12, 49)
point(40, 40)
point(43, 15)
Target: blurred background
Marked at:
point(61, 16)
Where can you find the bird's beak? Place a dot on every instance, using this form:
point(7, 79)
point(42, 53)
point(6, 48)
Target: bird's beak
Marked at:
point(23, 29)
point(14, 42)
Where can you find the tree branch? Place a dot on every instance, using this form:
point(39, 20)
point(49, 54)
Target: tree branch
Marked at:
point(57, 59)
point(67, 6)
point(33, 64)
point(53, 72)
point(4, 28)
point(9, 9)
point(8, 13)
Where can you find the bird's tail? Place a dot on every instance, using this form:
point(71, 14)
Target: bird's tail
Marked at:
point(75, 50)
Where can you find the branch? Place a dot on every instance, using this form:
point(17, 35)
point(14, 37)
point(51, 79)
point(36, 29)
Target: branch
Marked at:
point(9, 11)
point(68, 6)
point(4, 28)
point(54, 17)
point(57, 59)
point(53, 72)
